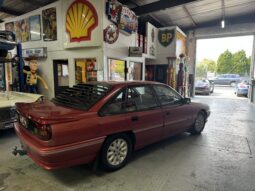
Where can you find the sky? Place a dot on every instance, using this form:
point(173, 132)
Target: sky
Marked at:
point(212, 48)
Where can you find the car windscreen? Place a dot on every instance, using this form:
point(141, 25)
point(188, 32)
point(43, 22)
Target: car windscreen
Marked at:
point(82, 96)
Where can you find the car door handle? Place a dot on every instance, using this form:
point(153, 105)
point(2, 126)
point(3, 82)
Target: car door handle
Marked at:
point(167, 113)
point(134, 118)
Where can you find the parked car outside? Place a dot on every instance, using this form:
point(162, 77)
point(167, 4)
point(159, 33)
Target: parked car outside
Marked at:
point(104, 121)
point(212, 86)
point(7, 106)
point(242, 88)
point(227, 79)
point(204, 87)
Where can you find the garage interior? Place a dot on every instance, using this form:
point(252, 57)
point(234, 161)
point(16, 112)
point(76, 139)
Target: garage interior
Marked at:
point(222, 158)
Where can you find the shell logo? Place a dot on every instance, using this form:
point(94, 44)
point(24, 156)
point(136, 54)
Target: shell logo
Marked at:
point(81, 20)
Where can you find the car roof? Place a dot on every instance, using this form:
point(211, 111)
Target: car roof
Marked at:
point(123, 83)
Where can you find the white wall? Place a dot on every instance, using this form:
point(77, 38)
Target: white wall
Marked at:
point(119, 49)
point(61, 49)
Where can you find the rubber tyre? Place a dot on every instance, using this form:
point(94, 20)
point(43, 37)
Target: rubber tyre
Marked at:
point(232, 84)
point(105, 163)
point(199, 124)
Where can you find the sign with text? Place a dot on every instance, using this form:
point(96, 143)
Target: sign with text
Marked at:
point(166, 36)
point(35, 52)
point(135, 51)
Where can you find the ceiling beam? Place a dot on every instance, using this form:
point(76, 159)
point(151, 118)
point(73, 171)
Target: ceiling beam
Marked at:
point(36, 3)
point(223, 9)
point(159, 5)
point(11, 11)
point(188, 13)
point(249, 18)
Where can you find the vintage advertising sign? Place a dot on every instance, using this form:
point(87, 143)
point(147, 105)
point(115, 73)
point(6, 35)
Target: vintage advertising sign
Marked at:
point(22, 30)
point(35, 27)
point(128, 21)
point(35, 52)
point(151, 42)
point(113, 10)
point(49, 21)
point(166, 36)
point(135, 51)
point(111, 34)
point(81, 20)
point(122, 16)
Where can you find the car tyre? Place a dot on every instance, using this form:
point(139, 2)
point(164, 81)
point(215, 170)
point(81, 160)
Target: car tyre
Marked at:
point(116, 152)
point(232, 84)
point(199, 124)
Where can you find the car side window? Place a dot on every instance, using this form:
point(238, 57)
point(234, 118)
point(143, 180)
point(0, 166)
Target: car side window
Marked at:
point(166, 95)
point(115, 106)
point(140, 98)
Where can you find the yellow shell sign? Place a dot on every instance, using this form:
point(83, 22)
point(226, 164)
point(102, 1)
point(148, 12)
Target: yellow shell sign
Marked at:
point(81, 20)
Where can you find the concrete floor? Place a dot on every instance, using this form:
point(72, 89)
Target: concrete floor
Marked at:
point(222, 158)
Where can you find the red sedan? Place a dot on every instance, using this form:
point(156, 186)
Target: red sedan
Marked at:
point(104, 121)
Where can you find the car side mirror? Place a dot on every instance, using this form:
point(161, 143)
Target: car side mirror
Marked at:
point(186, 100)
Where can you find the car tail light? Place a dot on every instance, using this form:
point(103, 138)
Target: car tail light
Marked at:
point(43, 132)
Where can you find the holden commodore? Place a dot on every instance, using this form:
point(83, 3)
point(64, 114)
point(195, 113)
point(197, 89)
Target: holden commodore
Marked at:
point(105, 122)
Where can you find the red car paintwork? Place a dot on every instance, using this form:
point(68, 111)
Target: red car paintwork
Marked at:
point(78, 135)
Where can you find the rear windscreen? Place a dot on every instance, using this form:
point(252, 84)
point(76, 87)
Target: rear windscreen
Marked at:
point(82, 96)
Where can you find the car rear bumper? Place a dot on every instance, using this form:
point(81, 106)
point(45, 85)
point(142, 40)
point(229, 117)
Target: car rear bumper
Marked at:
point(59, 156)
point(202, 91)
point(242, 91)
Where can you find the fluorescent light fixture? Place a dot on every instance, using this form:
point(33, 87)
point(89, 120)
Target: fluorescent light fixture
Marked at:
point(223, 24)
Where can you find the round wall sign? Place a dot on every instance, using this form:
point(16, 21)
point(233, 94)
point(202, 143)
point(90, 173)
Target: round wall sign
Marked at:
point(111, 33)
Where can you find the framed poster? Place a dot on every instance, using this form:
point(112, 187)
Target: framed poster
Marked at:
point(35, 27)
point(116, 70)
point(9, 26)
point(22, 30)
point(49, 19)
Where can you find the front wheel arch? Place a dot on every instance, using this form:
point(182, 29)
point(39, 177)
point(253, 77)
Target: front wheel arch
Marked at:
point(199, 123)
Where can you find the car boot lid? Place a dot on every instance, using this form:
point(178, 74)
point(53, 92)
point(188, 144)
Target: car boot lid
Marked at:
point(46, 112)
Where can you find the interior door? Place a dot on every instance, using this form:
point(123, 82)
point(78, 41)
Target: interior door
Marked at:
point(135, 72)
point(161, 73)
point(61, 75)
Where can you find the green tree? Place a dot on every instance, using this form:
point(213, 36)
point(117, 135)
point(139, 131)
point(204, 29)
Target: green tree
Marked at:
point(240, 63)
point(224, 62)
point(209, 64)
point(201, 71)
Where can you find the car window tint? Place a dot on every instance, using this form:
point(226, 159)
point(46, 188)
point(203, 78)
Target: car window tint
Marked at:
point(115, 106)
point(166, 95)
point(140, 98)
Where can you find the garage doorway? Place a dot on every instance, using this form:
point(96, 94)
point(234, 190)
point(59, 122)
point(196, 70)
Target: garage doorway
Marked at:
point(225, 62)
point(61, 75)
